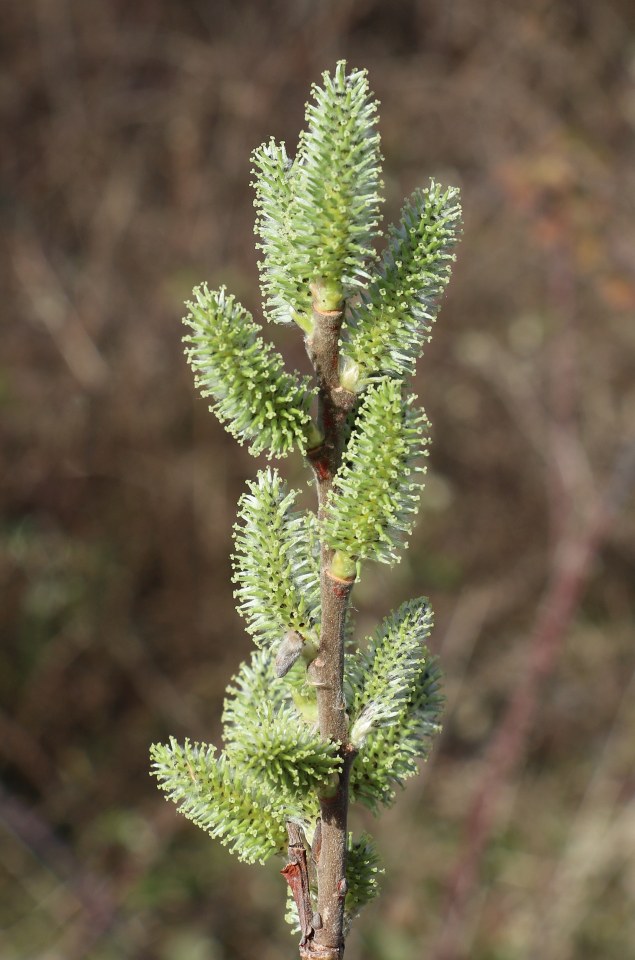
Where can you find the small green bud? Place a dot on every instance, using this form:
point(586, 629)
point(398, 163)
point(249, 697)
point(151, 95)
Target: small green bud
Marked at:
point(343, 567)
point(350, 374)
point(328, 295)
point(305, 702)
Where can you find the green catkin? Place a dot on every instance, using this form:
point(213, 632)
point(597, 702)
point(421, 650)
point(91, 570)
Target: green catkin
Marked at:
point(276, 564)
point(338, 216)
point(363, 868)
point(229, 805)
point(251, 392)
point(284, 285)
point(390, 754)
point(265, 736)
point(394, 701)
point(317, 230)
point(393, 320)
point(275, 747)
point(383, 675)
point(377, 489)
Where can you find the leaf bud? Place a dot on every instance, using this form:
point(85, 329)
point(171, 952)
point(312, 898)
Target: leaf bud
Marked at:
point(288, 653)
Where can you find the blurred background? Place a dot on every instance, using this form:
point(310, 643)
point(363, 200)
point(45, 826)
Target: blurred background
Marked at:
point(124, 179)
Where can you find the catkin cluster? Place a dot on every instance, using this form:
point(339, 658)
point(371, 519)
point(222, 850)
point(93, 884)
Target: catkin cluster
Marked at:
point(318, 229)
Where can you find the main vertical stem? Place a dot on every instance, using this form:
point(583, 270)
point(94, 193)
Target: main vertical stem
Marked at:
point(327, 670)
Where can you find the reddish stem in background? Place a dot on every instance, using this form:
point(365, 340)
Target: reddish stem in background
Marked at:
point(560, 601)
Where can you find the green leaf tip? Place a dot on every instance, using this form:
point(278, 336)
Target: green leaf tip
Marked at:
point(376, 491)
point(318, 216)
point(231, 806)
point(276, 565)
point(392, 322)
point(252, 393)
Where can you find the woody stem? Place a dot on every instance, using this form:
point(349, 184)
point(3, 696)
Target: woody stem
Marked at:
point(327, 670)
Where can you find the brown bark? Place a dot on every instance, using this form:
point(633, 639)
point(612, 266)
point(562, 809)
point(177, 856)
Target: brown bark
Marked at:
point(296, 873)
point(327, 670)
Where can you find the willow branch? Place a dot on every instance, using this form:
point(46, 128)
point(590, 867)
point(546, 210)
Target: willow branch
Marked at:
point(327, 670)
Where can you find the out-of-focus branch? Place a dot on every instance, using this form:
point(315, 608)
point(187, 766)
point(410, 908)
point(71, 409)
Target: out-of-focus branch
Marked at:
point(96, 903)
point(48, 303)
point(570, 574)
point(599, 835)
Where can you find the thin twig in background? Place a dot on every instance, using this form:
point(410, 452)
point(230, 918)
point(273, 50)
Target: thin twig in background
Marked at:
point(572, 568)
point(49, 304)
point(602, 832)
point(92, 905)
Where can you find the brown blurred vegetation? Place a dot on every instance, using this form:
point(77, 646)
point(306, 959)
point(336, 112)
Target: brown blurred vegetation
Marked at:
point(124, 179)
